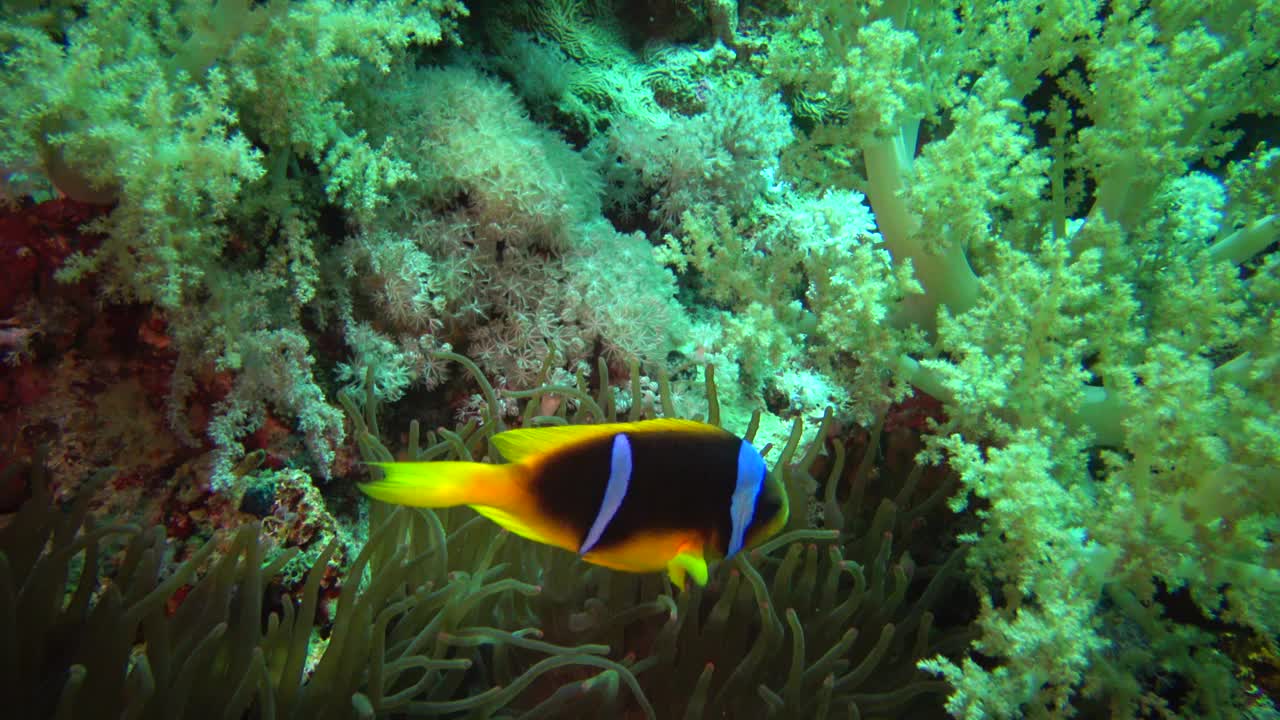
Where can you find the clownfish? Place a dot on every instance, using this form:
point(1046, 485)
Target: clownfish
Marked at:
point(637, 496)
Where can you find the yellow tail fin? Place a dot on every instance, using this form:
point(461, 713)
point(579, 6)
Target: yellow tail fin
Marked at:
point(441, 484)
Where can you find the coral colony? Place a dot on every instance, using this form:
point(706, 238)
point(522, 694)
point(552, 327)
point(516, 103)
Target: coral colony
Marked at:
point(718, 359)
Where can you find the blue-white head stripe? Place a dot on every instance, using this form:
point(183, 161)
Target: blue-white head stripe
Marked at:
point(614, 492)
point(742, 507)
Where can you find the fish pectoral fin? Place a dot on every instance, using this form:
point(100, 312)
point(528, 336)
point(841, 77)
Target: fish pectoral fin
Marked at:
point(689, 562)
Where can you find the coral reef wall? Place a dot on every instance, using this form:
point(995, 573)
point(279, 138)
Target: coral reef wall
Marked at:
point(997, 285)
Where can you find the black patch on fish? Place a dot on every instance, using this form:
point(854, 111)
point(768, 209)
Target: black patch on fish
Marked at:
point(768, 505)
point(679, 481)
point(570, 486)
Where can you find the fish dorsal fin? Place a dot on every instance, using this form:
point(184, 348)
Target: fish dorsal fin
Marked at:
point(526, 443)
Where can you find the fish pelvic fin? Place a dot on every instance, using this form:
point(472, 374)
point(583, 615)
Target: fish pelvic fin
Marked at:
point(442, 484)
point(688, 562)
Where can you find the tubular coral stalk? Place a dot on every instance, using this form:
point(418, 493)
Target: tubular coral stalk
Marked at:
point(827, 600)
point(946, 278)
point(1115, 193)
point(808, 579)
point(70, 691)
point(824, 698)
point(713, 398)
point(774, 704)
point(770, 634)
point(792, 692)
point(637, 406)
point(153, 600)
point(377, 654)
point(196, 663)
point(479, 635)
point(832, 515)
point(665, 645)
point(1100, 411)
point(887, 161)
point(782, 579)
point(827, 664)
point(664, 394)
point(583, 399)
point(291, 678)
point(1246, 242)
point(1104, 413)
point(697, 704)
point(855, 677)
point(499, 696)
point(557, 705)
point(141, 687)
point(245, 691)
point(796, 536)
point(753, 426)
point(491, 399)
point(429, 669)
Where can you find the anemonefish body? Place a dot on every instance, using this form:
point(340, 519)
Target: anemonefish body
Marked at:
point(639, 496)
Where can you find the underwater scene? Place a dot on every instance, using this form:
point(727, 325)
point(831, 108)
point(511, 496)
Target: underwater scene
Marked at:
point(652, 360)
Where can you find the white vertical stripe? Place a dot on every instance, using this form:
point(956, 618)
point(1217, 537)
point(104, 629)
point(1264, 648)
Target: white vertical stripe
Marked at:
point(742, 508)
point(614, 492)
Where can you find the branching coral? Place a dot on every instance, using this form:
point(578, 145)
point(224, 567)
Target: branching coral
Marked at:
point(724, 156)
point(1059, 219)
point(527, 188)
point(1078, 289)
point(141, 102)
point(196, 120)
point(282, 173)
point(575, 60)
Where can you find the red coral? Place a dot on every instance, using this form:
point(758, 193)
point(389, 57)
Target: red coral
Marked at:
point(25, 386)
point(273, 437)
point(175, 600)
point(34, 242)
point(179, 526)
point(914, 413)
